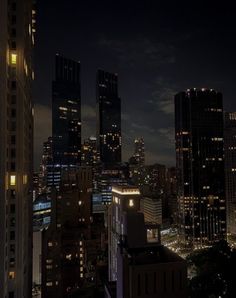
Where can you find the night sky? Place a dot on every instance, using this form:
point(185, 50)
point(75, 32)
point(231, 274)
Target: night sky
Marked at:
point(156, 49)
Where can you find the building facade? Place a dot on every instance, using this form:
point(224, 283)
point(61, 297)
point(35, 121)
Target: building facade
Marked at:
point(200, 166)
point(66, 114)
point(64, 242)
point(108, 118)
point(230, 171)
point(17, 23)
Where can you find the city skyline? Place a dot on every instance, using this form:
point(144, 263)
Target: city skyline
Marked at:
point(155, 52)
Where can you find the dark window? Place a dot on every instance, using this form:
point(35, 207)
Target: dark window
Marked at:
point(13, 113)
point(13, 6)
point(13, 193)
point(13, 140)
point(11, 295)
point(13, 126)
point(12, 235)
point(12, 208)
point(12, 248)
point(13, 45)
point(13, 99)
point(13, 85)
point(13, 152)
point(13, 166)
point(13, 32)
point(13, 19)
point(12, 221)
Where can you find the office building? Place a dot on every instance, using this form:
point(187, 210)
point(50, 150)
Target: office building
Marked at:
point(152, 209)
point(139, 151)
point(139, 266)
point(66, 116)
point(64, 242)
point(89, 153)
point(230, 171)
point(200, 166)
point(17, 29)
point(108, 118)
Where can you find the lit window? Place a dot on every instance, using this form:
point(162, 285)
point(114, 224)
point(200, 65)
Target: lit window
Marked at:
point(81, 275)
point(49, 284)
point(25, 179)
point(13, 59)
point(50, 244)
point(131, 203)
point(11, 275)
point(13, 180)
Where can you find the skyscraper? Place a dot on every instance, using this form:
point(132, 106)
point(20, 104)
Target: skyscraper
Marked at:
point(17, 23)
point(108, 118)
point(66, 113)
point(200, 166)
point(139, 153)
point(230, 171)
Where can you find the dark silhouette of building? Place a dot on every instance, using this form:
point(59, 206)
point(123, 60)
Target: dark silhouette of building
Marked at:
point(64, 242)
point(17, 37)
point(108, 118)
point(200, 166)
point(230, 171)
point(66, 112)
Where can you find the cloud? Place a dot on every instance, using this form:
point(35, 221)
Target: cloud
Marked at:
point(168, 133)
point(163, 96)
point(141, 51)
point(42, 129)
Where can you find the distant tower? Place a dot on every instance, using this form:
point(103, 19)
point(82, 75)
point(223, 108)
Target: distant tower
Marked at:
point(66, 113)
point(108, 118)
point(200, 166)
point(89, 152)
point(139, 151)
point(230, 171)
point(17, 29)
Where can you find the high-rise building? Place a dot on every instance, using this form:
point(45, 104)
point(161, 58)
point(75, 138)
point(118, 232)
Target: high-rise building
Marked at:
point(230, 171)
point(17, 23)
point(152, 209)
point(66, 113)
point(89, 152)
point(108, 118)
point(139, 152)
point(200, 166)
point(64, 242)
point(139, 266)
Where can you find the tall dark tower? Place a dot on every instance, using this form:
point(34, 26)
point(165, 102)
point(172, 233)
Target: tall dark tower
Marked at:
point(66, 113)
point(200, 166)
point(230, 171)
point(17, 38)
point(108, 118)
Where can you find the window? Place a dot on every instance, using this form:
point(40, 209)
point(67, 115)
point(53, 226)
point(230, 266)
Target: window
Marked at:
point(11, 275)
point(13, 59)
point(13, 180)
point(13, 140)
point(131, 202)
point(49, 284)
point(12, 208)
point(12, 235)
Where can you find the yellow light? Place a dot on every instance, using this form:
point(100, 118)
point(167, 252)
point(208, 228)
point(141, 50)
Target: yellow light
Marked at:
point(11, 275)
point(25, 179)
point(13, 180)
point(13, 59)
point(131, 203)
